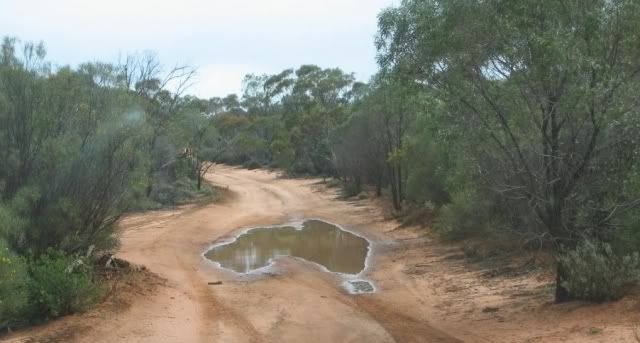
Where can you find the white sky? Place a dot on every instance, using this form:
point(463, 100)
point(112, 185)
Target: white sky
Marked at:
point(224, 39)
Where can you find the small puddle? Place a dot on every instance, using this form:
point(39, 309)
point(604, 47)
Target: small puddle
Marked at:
point(328, 245)
point(359, 286)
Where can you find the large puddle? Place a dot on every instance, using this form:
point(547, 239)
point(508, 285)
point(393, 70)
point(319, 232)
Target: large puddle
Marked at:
point(313, 240)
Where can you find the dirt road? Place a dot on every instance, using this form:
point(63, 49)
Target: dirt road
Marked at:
point(301, 303)
point(419, 298)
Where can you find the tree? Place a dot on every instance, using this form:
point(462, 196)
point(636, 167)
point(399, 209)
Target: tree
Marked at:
point(202, 145)
point(161, 92)
point(543, 83)
point(287, 118)
point(316, 104)
point(359, 151)
point(70, 158)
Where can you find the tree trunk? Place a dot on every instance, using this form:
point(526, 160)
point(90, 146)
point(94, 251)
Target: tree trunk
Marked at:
point(554, 220)
point(150, 171)
point(394, 188)
point(400, 185)
point(149, 187)
point(562, 294)
point(563, 241)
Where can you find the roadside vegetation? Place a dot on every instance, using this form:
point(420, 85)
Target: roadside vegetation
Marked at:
point(80, 147)
point(509, 119)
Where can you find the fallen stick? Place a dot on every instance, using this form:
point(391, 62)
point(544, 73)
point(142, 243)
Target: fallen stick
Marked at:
point(215, 283)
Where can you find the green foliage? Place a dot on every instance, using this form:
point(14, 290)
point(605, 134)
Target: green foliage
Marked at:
point(465, 217)
point(252, 164)
point(13, 292)
point(11, 226)
point(286, 119)
point(430, 175)
point(73, 149)
point(52, 285)
point(594, 272)
point(283, 154)
point(59, 285)
point(167, 194)
point(301, 167)
point(248, 146)
point(351, 189)
point(333, 183)
point(535, 112)
point(175, 193)
point(80, 148)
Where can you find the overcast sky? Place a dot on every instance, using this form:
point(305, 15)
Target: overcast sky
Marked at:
point(224, 39)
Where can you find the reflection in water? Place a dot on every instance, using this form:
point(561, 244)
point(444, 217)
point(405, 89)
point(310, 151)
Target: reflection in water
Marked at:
point(359, 286)
point(320, 242)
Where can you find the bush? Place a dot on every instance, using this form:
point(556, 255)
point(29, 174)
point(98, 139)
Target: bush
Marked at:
point(465, 217)
point(173, 193)
point(333, 183)
point(252, 164)
point(303, 167)
point(13, 295)
point(59, 286)
point(595, 273)
point(419, 215)
point(350, 189)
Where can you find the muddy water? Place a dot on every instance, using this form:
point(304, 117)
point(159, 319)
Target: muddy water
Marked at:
point(316, 241)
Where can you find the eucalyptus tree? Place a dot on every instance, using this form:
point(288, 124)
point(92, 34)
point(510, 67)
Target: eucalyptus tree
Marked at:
point(542, 84)
point(70, 156)
point(317, 102)
point(287, 118)
point(160, 92)
point(202, 145)
point(360, 153)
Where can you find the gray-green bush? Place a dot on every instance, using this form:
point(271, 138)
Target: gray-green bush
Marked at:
point(79, 148)
point(596, 273)
point(13, 290)
point(59, 284)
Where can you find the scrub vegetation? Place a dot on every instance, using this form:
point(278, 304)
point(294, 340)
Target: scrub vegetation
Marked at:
point(508, 119)
point(79, 148)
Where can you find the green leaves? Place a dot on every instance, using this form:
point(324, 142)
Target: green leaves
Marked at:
point(56, 290)
point(287, 118)
point(13, 294)
point(595, 273)
point(540, 97)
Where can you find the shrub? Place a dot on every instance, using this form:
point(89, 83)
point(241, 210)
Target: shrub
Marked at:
point(13, 295)
point(419, 215)
point(302, 167)
point(595, 273)
point(252, 164)
point(350, 189)
point(333, 183)
point(173, 193)
point(59, 286)
point(465, 217)
point(166, 194)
